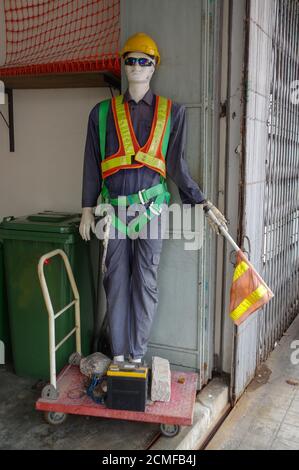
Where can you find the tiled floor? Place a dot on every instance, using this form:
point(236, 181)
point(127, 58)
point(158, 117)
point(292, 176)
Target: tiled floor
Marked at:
point(267, 415)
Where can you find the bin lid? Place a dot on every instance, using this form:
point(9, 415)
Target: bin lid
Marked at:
point(46, 221)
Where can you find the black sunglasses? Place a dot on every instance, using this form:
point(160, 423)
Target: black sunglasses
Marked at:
point(142, 61)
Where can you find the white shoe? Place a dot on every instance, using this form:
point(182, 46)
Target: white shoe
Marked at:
point(138, 360)
point(117, 359)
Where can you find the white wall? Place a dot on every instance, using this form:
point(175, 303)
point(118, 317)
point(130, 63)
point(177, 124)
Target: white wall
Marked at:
point(45, 171)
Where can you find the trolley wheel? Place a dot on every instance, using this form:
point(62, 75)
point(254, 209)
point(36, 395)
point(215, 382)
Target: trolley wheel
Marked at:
point(52, 417)
point(170, 430)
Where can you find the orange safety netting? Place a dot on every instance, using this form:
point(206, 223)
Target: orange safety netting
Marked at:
point(57, 36)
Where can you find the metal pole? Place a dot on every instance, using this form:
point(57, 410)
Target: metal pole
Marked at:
point(224, 232)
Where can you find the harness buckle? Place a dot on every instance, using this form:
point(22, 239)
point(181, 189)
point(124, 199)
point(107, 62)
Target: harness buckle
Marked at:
point(153, 208)
point(142, 196)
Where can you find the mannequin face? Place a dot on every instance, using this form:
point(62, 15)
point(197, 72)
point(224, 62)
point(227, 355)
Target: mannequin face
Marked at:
point(137, 74)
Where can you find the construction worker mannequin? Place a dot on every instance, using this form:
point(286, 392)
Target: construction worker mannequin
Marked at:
point(134, 141)
point(139, 80)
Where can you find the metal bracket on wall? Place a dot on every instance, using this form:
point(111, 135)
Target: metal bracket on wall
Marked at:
point(10, 123)
point(113, 81)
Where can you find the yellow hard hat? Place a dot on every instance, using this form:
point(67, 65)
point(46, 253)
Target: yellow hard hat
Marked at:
point(141, 42)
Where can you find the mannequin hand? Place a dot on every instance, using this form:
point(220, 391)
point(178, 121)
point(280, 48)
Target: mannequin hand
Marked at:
point(87, 223)
point(219, 216)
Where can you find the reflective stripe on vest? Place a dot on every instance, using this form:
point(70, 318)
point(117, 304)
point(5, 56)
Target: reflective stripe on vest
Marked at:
point(130, 154)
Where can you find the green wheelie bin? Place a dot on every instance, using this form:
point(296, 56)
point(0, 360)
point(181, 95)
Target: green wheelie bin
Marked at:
point(25, 240)
point(5, 347)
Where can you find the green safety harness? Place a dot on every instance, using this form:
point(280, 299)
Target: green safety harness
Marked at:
point(159, 191)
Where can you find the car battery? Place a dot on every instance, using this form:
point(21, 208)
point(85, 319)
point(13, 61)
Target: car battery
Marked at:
point(127, 386)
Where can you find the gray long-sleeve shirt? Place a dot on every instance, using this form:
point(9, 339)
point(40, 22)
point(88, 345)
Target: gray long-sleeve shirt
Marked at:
point(130, 181)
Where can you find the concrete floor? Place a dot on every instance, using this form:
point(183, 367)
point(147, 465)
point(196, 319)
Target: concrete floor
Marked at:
point(22, 427)
point(265, 417)
point(267, 414)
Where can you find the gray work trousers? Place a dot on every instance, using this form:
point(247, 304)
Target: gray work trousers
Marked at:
point(130, 284)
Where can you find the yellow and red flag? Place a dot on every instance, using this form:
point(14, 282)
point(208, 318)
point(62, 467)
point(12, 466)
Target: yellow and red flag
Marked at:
point(248, 292)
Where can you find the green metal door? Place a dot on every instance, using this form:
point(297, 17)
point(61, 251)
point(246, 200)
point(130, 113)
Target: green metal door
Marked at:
point(188, 37)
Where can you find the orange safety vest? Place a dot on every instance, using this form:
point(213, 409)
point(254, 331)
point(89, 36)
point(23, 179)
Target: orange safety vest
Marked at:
point(130, 154)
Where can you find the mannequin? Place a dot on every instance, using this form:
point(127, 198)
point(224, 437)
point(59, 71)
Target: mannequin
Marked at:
point(139, 82)
point(130, 280)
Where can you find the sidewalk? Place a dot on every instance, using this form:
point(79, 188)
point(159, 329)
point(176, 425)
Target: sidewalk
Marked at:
point(267, 415)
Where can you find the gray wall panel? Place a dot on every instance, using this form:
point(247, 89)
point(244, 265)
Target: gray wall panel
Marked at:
point(187, 34)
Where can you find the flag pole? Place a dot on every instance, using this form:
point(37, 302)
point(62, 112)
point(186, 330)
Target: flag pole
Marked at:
point(233, 243)
point(224, 232)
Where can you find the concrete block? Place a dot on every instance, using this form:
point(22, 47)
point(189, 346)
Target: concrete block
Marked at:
point(161, 379)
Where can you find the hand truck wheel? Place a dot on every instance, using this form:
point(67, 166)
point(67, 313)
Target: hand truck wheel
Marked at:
point(54, 418)
point(170, 430)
